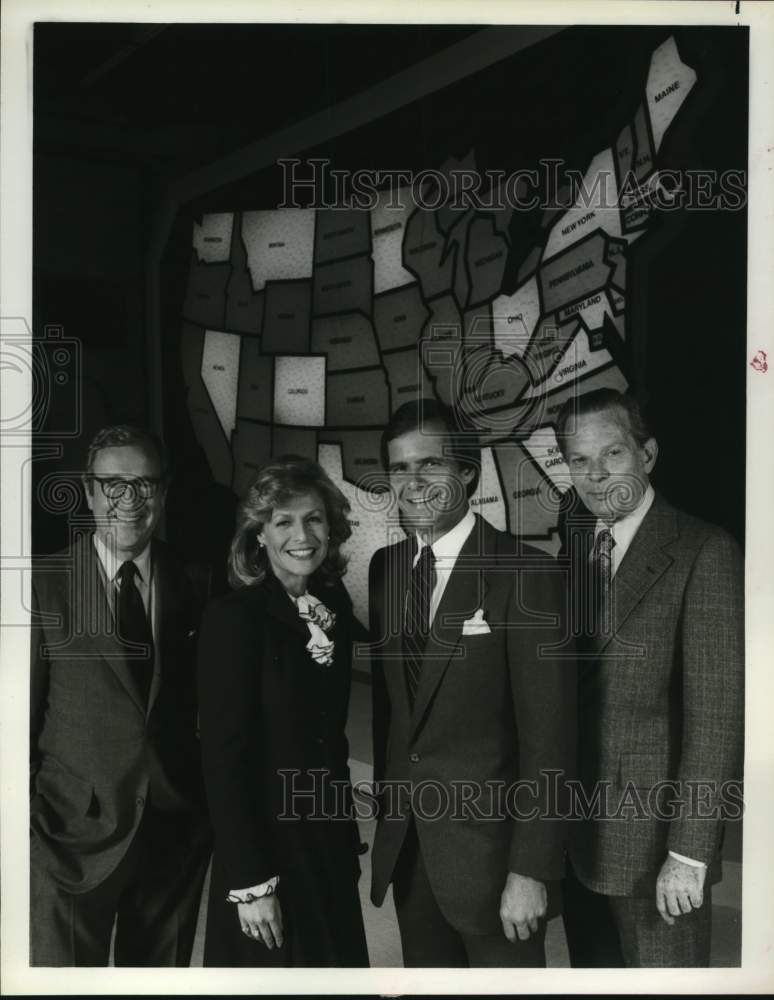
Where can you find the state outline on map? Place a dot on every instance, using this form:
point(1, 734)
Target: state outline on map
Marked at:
point(479, 499)
point(549, 393)
point(240, 271)
point(243, 366)
point(366, 261)
point(287, 214)
point(347, 313)
point(543, 375)
point(592, 236)
point(502, 235)
point(532, 410)
point(377, 387)
point(365, 250)
point(281, 284)
point(201, 268)
point(456, 245)
point(443, 255)
point(623, 176)
point(509, 500)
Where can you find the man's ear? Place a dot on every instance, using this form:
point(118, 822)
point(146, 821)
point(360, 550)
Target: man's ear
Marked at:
point(650, 454)
point(467, 474)
point(88, 488)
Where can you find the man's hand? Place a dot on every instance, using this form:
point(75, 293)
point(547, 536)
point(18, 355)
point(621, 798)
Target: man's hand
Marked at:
point(679, 888)
point(261, 920)
point(522, 904)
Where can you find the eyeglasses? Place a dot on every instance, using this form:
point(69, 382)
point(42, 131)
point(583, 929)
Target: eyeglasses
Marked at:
point(115, 487)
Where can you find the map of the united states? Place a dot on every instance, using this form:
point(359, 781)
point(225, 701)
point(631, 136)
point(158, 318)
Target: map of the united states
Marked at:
point(305, 328)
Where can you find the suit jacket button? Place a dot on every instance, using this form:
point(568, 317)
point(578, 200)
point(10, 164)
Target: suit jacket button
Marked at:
point(414, 758)
point(140, 801)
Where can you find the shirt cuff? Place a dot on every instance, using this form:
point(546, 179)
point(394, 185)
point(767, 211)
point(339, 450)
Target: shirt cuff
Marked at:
point(267, 888)
point(686, 861)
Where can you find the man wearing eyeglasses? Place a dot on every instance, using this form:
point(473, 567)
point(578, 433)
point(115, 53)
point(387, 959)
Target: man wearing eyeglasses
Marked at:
point(119, 839)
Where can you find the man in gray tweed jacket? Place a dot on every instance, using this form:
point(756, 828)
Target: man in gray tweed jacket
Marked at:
point(118, 829)
point(659, 618)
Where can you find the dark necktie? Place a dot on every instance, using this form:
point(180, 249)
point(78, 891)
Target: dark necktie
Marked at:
point(133, 627)
point(417, 623)
point(601, 581)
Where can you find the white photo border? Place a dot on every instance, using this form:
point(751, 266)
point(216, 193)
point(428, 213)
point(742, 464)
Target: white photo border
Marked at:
point(757, 972)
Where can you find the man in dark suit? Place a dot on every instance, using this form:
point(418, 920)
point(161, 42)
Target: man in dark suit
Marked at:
point(472, 713)
point(660, 705)
point(118, 828)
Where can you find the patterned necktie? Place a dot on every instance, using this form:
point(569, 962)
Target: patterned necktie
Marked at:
point(601, 581)
point(417, 623)
point(133, 627)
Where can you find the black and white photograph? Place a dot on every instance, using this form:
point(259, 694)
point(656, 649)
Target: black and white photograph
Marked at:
point(385, 442)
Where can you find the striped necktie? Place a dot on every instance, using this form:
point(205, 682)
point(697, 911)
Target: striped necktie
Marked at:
point(417, 619)
point(602, 578)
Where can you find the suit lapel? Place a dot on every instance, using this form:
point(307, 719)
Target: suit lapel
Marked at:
point(464, 594)
point(167, 595)
point(397, 571)
point(644, 563)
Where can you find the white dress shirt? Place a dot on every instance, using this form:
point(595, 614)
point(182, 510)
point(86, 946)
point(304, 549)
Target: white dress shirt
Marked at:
point(623, 532)
point(446, 549)
point(110, 564)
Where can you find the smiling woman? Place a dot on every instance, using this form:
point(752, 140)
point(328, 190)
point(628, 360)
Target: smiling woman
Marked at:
point(274, 673)
point(296, 540)
point(288, 503)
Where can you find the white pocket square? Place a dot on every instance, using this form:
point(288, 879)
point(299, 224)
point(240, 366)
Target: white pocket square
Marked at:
point(476, 625)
